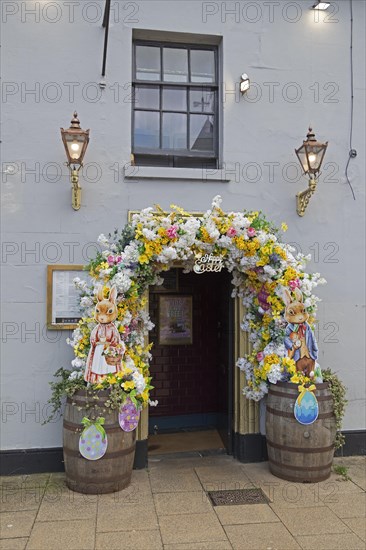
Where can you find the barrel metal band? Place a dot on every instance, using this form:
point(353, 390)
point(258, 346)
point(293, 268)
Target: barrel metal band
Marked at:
point(295, 395)
point(300, 449)
point(109, 428)
point(301, 468)
point(95, 480)
point(115, 454)
point(297, 479)
point(291, 415)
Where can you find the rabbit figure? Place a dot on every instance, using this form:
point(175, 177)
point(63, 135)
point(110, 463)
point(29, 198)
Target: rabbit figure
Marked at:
point(105, 334)
point(299, 338)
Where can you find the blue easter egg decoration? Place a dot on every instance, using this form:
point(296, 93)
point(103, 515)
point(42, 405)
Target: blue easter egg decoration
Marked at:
point(306, 408)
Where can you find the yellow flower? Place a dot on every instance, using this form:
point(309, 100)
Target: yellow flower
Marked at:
point(284, 226)
point(143, 259)
point(295, 379)
point(129, 385)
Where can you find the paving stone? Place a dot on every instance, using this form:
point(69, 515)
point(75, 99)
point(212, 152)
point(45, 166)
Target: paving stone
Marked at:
point(133, 494)
point(293, 495)
point(17, 500)
point(261, 536)
point(187, 528)
point(182, 503)
point(59, 503)
point(335, 485)
point(59, 535)
point(16, 524)
point(349, 505)
point(331, 542)
point(171, 482)
point(126, 517)
point(212, 545)
point(358, 526)
point(25, 481)
point(13, 544)
point(311, 521)
point(215, 478)
point(245, 513)
point(150, 540)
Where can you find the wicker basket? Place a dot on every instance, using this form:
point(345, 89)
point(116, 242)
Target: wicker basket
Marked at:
point(114, 361)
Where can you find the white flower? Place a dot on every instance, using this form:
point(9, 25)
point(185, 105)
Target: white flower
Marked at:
point(78, 363)
point(139, 380)
point(122, 282)
point(275, 374)
point(102, 239)
point(86, 301)
point(75, 375)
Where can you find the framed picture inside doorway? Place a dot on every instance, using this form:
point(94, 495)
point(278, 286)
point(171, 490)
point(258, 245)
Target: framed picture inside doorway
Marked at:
point(175, 320)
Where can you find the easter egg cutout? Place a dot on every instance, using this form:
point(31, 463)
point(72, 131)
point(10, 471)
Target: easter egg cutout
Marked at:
point(93, 442)
point(128, 416)
point(306, 408)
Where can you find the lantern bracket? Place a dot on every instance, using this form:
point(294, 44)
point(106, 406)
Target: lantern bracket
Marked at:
point(303, 198)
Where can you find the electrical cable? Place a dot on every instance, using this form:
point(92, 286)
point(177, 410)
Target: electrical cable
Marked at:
point(352, 153)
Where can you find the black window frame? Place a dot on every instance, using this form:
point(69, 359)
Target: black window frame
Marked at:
point(177, 157)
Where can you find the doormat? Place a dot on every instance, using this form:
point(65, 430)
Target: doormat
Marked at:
point(237, 496)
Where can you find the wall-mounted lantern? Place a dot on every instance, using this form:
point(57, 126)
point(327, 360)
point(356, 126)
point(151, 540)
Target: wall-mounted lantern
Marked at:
point(311, 155)
point(244, 83)
point(76, 142)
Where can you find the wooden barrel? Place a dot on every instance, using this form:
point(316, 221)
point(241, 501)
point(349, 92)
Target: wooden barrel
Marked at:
point(113, 471)
point(297, 452)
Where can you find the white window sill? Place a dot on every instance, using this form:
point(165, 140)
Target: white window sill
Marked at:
point(161, 173)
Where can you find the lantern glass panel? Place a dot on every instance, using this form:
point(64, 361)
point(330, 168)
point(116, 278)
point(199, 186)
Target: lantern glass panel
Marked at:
point(75, 145)
point(301, 153)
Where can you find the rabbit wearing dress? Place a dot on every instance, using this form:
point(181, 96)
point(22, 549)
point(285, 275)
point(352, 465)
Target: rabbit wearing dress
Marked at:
point(105, 334)
point(299, 338)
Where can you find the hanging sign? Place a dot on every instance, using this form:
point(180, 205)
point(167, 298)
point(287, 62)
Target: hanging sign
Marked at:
point(208, 263)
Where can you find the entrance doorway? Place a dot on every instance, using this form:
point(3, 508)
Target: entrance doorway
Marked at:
point(192, 367)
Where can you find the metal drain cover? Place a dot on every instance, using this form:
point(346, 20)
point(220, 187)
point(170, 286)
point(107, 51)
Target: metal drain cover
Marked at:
point(237, 496)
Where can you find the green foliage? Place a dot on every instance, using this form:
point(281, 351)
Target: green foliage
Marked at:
point(342, 471)
point(122, 238)
point(61, 389)
point(338, 391)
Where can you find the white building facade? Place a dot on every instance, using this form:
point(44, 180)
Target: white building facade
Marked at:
point(170, 102)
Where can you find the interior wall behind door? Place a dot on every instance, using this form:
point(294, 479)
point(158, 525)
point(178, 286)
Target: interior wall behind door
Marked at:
point(187, 377)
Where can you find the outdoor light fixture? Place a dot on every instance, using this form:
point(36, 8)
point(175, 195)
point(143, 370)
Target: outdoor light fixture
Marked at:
point(244, 83)
point(76, 142)
point(321, 6)
point(311, 155)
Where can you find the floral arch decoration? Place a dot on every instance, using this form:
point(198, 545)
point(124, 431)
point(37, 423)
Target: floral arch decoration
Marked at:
point(264, 270)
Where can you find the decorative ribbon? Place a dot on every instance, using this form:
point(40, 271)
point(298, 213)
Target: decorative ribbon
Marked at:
point(300, 329)
point(302, 389)
point(98, 423)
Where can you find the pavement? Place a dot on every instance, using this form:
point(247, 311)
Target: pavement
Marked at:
point(166, 507)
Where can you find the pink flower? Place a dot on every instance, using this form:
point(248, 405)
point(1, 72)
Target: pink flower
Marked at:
point(295, 283)
point(172, 231)
point(231, 232)
point(118, 259)
point(260, 356)
point(110, 259)
point(251, 232)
